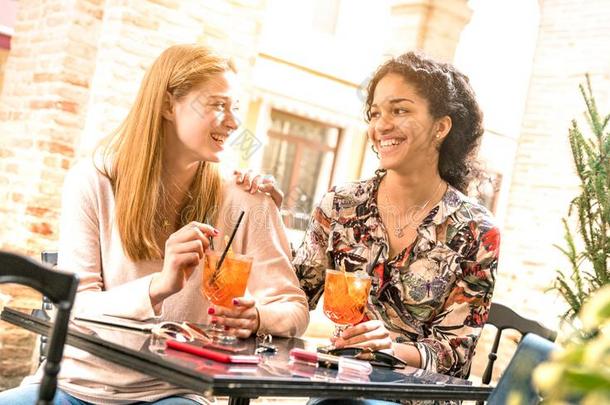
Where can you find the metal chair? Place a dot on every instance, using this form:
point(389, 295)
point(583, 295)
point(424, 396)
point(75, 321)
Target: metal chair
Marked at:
point(503, 318)
point(50, 258)
point(515, 385)
point(60, 288)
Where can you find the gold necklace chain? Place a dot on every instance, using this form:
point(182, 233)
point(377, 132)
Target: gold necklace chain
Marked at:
point(399, 230)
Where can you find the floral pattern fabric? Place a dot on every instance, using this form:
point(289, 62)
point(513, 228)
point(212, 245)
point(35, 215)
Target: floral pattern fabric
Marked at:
point(435, 294)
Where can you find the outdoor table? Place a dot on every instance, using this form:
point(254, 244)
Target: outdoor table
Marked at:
point(274, 376)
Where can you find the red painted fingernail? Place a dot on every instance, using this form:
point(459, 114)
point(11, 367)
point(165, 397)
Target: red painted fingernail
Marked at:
point(213, 320)
point(226, 327)
point(211, 311)
point(235, 301)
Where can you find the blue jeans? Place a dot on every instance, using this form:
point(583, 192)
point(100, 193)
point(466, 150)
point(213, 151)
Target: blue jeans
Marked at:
point(28, 394)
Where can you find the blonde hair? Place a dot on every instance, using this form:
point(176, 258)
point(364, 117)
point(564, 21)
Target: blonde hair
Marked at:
point(133, 154)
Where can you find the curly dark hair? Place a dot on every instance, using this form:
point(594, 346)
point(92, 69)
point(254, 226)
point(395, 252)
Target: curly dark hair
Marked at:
point(448, 92)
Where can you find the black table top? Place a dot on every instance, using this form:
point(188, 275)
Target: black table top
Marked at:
point(273, 376)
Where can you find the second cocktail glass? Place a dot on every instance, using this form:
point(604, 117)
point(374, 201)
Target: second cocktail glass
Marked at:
point(221, 285)
point(345, 298)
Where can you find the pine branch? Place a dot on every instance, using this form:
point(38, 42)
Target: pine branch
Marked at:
point(573, 257)
point(567, 293)
point(605, 122)
point(575, 138)
point(586, 230)
point(593, 117)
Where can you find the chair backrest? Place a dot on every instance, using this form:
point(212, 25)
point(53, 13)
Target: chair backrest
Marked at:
point(50, 258)
point(515, 385)
point(60, 288)
point(503, 318)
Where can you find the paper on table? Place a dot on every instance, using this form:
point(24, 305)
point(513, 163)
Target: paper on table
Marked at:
point(116, 321)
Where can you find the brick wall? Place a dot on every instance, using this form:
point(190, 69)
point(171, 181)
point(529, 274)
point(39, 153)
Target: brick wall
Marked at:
point(72, 72)
point(16, 353)
point(46, 84)
point(42, 110)
point(3, 57)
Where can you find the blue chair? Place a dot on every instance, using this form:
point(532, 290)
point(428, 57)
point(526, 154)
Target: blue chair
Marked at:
point(502, 317)
point(516, 382)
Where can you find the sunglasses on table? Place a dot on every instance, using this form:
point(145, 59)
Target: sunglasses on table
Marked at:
point(190, 332)
point(375, 358)
point(182, 332)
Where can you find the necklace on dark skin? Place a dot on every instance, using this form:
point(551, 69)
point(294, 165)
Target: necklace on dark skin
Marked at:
point(412, 214)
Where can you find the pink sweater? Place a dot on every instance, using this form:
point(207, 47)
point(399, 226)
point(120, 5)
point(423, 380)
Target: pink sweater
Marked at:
point(110, 283)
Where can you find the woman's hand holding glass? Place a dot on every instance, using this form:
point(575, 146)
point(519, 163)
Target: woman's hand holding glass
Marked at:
point(241, 320)
point(371, 335)
point(345, 298)
point(224, 284)
point(184, 249)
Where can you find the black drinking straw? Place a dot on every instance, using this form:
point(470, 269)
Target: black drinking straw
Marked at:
point(224, 253)
point(372, 266)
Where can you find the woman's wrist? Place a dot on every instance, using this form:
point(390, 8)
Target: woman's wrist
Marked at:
point(389, 350)
point(407, 352)
point(156, 291)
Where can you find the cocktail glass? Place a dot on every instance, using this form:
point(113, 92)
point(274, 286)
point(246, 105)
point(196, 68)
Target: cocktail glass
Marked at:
point(222, 285)
point(345, 298)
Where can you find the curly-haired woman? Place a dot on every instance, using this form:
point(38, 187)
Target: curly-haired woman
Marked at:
point(432, 285)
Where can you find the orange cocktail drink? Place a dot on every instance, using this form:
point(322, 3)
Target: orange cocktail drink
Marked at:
point(345, 296)
point(229, 281)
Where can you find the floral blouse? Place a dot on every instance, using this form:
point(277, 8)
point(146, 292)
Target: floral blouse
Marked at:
point(435, 294)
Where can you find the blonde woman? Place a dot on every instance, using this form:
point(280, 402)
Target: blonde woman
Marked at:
point(135, 224)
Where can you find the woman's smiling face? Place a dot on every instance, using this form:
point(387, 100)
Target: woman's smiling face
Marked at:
point(205, 117)
point(401, 127)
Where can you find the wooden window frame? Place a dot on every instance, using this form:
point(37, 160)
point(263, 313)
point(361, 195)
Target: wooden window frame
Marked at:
point(301, 144)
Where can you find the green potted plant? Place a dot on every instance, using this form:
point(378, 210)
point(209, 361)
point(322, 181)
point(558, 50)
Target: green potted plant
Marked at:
point(580, 371)
point(591, 210)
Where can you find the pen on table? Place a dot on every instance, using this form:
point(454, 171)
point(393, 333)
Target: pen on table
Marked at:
point(345, 364)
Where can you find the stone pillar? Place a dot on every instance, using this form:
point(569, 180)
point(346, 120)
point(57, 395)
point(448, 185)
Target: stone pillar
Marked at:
point(433, 26)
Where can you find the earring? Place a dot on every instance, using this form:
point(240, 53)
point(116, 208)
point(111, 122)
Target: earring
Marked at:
point(374, 151)
point(438, 136)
